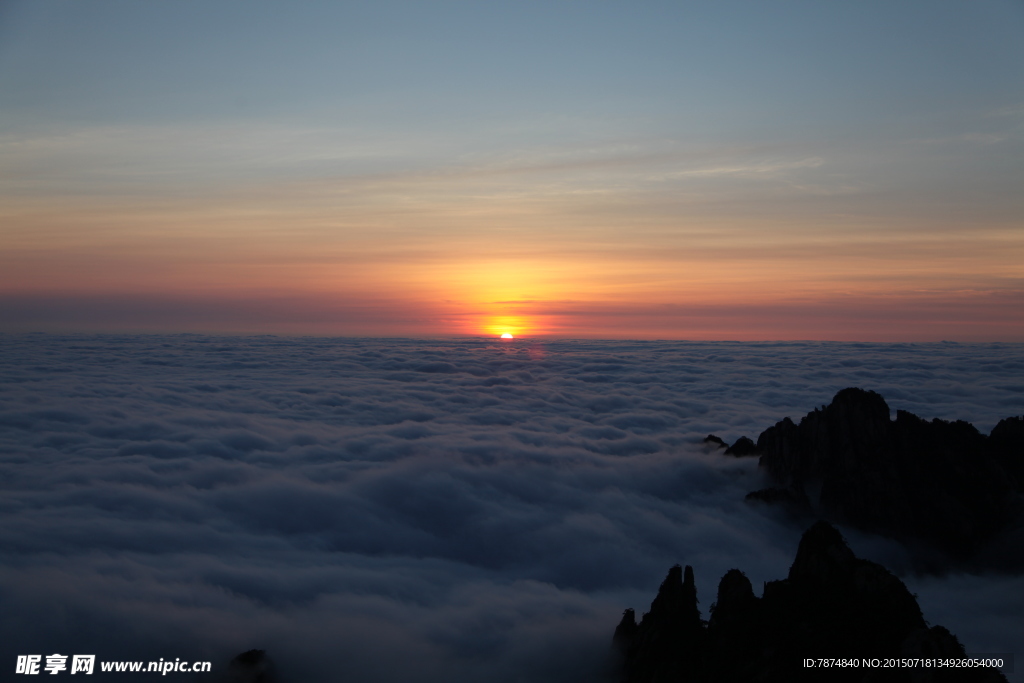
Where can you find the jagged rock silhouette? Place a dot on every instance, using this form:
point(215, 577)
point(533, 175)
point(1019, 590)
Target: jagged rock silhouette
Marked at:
point(251, 666)
point(743, 447)
point(666, 645)
point(937, 484)
point(832, 605)
point(715, 441)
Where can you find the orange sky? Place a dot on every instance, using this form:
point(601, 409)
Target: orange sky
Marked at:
point(455, 255)
point(789, 189)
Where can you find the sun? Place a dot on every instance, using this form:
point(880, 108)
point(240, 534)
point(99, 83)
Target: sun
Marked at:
point(507, 336)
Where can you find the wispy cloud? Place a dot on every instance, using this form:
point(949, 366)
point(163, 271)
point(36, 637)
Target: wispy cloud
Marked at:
point(756, 170)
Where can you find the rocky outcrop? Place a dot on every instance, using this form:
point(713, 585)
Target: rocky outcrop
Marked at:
point(668, 644)
point(941, 484)
point(831, 605)
point(251, 666)
point(743, 447)
point(715, 441)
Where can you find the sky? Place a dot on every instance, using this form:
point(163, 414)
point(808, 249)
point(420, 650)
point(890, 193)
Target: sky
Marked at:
point(656, 170)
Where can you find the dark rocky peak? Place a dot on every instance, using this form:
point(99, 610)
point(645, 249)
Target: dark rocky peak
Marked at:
point(847, 432)
point(251, 666)
point(743, 447)
point(1009, 432)
point(736, 601)
point(822, 556)
point(670, 593)
point(858, 405)
point(665, 646)
point(833, 604)
point(941, 487)
point(734, 589)
point(848, 593)
point(676, 601)
point(715, 441)
point(937, 437)
point(783, 454)
point(625, 631)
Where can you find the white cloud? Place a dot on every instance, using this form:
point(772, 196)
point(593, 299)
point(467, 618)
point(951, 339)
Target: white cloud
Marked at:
point(483, 510)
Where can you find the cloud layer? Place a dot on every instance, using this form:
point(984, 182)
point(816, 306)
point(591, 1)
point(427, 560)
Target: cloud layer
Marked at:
point(437, 510)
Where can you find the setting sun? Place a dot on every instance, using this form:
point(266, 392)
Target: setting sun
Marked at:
point(500, 325)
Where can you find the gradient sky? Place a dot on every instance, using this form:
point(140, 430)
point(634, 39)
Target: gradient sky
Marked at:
point(690, 170)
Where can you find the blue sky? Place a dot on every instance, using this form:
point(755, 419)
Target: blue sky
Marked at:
point(826, 65)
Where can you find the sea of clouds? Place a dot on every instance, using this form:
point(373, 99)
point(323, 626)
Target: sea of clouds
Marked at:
point(421, 510)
